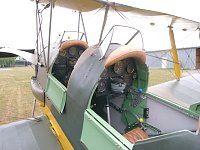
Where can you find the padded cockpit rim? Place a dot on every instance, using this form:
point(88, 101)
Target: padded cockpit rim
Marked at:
point(124, 52)
point(70, 43)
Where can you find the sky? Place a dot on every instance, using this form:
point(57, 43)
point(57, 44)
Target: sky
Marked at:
point(17, 25)
point(17, 28)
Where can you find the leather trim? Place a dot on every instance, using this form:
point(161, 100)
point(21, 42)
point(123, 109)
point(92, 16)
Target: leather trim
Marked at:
point(124, 52)
point(70, 43)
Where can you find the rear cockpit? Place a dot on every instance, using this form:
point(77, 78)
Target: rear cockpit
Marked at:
point(119, 97)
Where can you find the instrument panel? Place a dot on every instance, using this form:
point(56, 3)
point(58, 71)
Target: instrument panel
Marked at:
point(117, 77)
point(64, 63)
point(73, 53)
point(124, 67)
point(119, 68)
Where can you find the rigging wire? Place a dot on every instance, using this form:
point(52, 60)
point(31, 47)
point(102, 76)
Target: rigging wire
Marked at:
point(98, 10)
point(188, 58)
point(127, 20)
point(189, 53)
point(39, 21)
point(104, 22)
point(83, 24)
point(189, 72)
point(161, 58)
point(190, 34)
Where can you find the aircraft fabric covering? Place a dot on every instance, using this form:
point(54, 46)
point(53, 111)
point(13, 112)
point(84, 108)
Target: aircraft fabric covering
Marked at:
point(143, 7)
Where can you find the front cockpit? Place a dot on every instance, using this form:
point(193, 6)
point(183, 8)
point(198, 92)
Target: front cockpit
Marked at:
point(69, 53)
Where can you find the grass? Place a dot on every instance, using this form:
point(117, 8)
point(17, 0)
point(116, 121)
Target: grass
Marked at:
point(157, 76)
point(16, 98)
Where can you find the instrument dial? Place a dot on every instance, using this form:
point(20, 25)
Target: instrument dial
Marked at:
point(130, 68)
point(101, 87)
point(119, 67)
point(80, 52)
point(72, 51)
point(134, 76)
point(72, 61)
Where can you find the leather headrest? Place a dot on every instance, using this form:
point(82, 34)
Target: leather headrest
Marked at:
point(124, 52)
point(71, 43)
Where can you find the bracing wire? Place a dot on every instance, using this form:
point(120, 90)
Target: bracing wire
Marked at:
point(98, 10)
point(127, 20)
point(157, 57)
point(189, 72)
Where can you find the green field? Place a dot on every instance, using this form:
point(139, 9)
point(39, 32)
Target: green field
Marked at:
point(16, 98)
point(157, 76)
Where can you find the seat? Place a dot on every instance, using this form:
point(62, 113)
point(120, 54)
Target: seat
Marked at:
point(135, 135)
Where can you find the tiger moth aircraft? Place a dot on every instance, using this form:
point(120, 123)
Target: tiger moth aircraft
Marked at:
point(95, 96)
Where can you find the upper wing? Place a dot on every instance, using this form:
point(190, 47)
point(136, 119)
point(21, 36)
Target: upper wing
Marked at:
point(174, 8)
point(161, 13)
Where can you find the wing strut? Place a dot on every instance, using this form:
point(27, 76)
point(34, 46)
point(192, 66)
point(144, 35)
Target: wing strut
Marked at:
point(104, 22)
point(49, 40)
point(174, 54)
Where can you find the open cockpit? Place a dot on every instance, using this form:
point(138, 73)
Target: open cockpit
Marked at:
point(119, 97)
point(69, 52)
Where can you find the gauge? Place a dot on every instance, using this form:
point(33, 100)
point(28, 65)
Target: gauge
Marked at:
point(101, 87)
point(104, 74)
point(72, 51)
point(119, 67)
point(130, 68)
point(134, 76)
point(80, 52)
point(72, 61)
point(63, 53)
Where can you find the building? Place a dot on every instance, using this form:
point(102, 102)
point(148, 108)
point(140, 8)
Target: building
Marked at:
point(189, 58)
point(19, 61)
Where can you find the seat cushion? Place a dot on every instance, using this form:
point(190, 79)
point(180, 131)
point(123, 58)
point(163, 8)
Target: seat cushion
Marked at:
point(134, 135)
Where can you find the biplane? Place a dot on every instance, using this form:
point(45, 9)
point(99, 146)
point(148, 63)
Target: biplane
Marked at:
point(95, 96)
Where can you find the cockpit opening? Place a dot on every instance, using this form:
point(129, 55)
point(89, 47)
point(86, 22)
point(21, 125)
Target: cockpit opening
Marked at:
point(120, 94)
point(69, 53)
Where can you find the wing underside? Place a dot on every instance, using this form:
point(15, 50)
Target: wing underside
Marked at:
point(10, 52)
point(138, 7)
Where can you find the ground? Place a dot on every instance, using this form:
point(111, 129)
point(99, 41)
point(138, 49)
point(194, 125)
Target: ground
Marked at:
point(16, 98)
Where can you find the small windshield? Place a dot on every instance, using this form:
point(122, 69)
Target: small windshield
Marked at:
point(122, 35)
point(72, 35)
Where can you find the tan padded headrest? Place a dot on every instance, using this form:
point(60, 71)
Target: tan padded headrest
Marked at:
point(71, 43)
point(124, 52)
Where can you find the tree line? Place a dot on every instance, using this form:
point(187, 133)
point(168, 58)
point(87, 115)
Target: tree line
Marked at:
point(7, 62)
